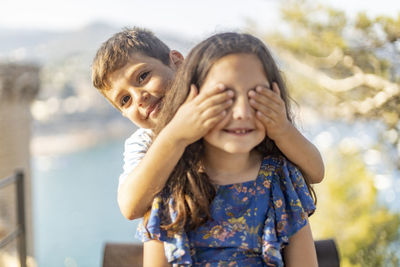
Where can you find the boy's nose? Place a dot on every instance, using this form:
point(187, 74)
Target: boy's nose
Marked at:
point(141, 98)
point(241, 109)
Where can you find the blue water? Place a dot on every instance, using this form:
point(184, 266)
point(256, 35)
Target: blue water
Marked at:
point(75, 208)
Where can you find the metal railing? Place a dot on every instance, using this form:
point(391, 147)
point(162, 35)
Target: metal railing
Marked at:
point(19, 233)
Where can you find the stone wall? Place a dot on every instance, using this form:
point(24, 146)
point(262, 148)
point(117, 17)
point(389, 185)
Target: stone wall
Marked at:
point(19, 84)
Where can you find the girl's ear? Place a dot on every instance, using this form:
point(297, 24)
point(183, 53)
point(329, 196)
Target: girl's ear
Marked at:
point(175, 59)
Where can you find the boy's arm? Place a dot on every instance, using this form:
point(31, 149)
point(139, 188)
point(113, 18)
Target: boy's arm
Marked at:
point(192, 121)
point(301, 249)
point(137, 190)
point(271, 112)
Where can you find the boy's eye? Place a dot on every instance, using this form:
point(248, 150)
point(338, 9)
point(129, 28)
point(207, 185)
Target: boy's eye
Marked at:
point(143, 76)
point(125, 99)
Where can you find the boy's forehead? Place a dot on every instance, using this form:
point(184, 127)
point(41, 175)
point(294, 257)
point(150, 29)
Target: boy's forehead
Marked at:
point(135, 62)
point(140, 58)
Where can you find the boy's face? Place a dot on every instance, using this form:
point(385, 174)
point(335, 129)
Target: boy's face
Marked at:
point(138, 87)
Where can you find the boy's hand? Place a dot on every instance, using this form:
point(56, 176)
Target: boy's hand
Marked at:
point(200, 113)
point(270, 110)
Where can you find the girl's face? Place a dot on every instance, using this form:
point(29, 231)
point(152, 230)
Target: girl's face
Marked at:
point(241, 132)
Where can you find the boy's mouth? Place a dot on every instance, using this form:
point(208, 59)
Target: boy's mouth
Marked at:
point(153, 108)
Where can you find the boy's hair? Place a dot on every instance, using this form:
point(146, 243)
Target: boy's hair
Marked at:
point(116, 51)
point(189, 187)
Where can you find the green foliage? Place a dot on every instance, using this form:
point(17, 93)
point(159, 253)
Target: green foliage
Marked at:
point(355, 60)
point(347, 69)
point(317, 29)
point(348, 210)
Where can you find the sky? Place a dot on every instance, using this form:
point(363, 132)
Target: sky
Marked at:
point(186, 17)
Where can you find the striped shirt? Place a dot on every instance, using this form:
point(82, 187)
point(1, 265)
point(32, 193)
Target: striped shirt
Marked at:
point(136, 147)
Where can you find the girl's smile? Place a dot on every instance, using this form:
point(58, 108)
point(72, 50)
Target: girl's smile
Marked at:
point(238, 131)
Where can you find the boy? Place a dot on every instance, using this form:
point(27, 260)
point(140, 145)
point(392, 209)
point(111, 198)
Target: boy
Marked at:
point(133, 70)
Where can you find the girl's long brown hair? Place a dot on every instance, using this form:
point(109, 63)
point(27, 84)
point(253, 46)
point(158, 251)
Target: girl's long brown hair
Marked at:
point(188, 186)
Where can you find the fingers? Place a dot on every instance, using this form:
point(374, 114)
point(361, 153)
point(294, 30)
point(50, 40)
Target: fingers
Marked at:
point(192, 94)
point(267, 109)
point(267, 100)
point(271, 94)
point(263, 103)
point(206, 93)
point(217, 109)
point(266, 121)
point(221, 119)
point(276, 89)
point(217, 99)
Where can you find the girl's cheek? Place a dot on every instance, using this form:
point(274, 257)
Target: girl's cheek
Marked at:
point(260, 125)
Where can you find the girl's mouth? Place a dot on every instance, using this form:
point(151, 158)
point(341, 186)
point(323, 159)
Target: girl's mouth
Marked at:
point(238, 131)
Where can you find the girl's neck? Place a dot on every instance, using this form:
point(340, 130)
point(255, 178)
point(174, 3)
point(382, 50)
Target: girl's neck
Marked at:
point(226, 168)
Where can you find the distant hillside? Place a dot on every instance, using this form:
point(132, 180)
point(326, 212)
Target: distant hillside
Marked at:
point(67, 99)
point(43, 46)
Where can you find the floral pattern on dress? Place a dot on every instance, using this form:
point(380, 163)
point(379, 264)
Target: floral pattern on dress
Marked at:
point(251, 221)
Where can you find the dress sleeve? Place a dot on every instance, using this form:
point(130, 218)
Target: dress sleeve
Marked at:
point(176, 245)
point(290, 205)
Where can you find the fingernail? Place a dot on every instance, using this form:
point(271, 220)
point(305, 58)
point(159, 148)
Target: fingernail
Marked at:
point(259, 88)
point(221, 87)
point(230, 93)
point(252, 93)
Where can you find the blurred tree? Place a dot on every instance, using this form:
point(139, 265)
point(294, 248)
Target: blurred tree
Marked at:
point(347, 69)
point(355, 62)
point(367, 233)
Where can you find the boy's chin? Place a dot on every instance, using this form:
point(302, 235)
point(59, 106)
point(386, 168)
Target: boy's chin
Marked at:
point(147, 124)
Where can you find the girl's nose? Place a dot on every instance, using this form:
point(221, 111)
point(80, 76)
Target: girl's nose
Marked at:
point(241, 109)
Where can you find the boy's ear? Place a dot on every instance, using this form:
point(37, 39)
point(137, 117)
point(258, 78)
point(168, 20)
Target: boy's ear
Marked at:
point(175, 58)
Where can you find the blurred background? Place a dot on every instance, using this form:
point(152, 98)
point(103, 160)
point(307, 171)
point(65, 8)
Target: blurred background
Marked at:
point(340, 58)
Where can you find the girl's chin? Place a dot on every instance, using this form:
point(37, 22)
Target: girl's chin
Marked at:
point(237, 150)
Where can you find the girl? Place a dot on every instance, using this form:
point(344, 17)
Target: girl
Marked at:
point(233, 199)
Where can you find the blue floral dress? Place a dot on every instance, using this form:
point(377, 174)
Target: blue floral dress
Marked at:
point(251, 221)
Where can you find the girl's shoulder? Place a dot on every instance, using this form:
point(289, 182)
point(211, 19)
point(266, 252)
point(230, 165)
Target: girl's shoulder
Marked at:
point(285, 180)
point(273, 165)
